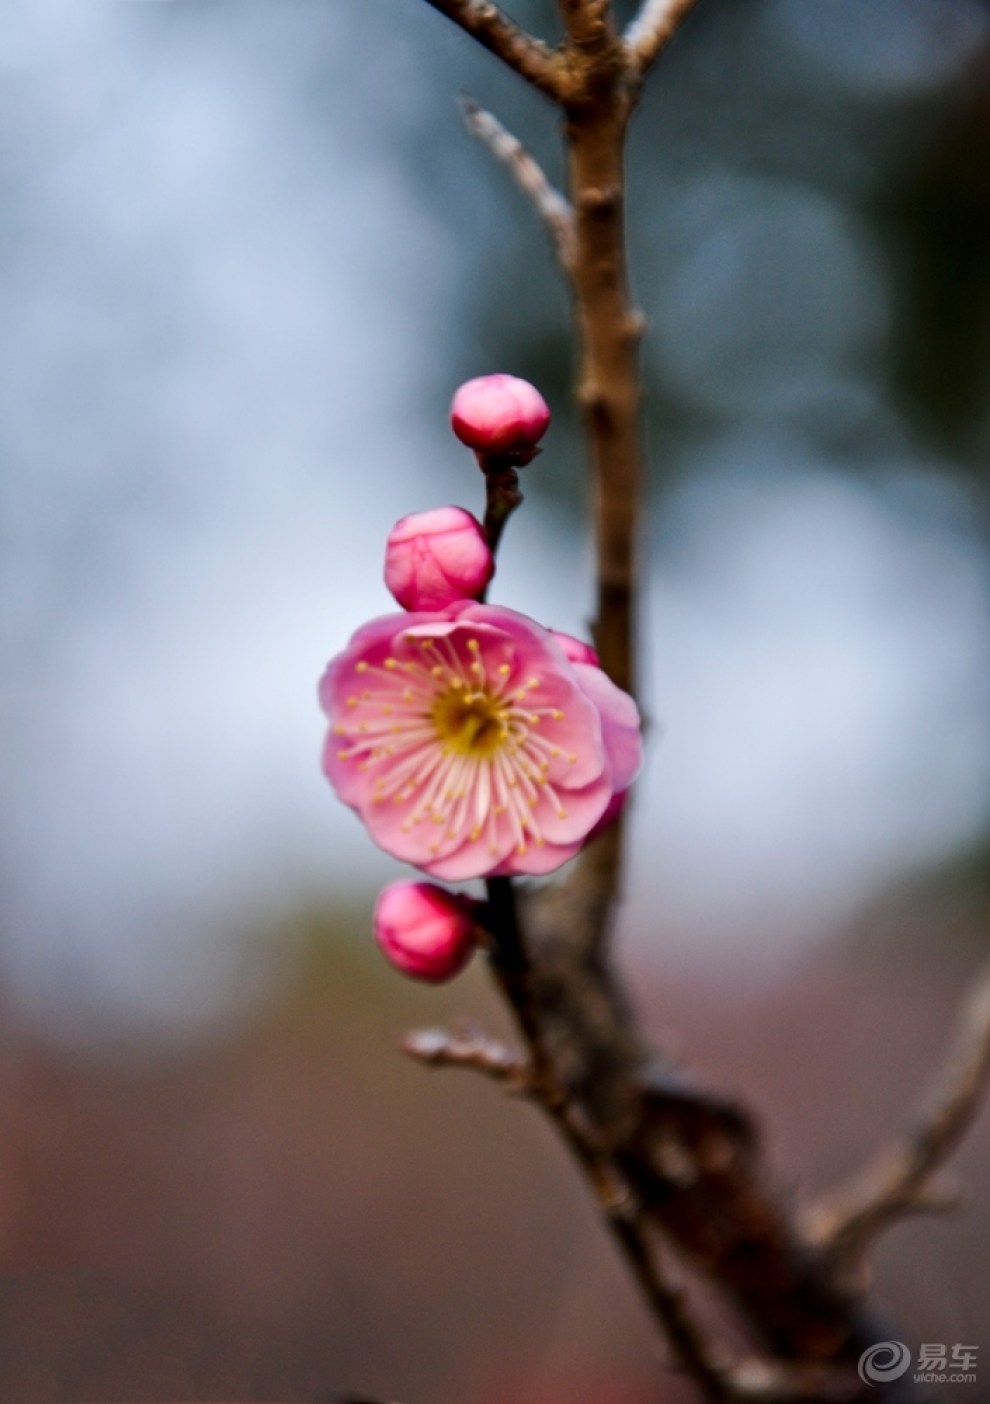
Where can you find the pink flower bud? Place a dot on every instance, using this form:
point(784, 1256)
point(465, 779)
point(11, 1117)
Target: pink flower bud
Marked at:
point(433, 559)
point(499, 414)
point(424, 931)
point(575, 650)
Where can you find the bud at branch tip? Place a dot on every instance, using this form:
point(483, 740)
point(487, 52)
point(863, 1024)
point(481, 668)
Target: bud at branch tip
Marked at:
point(500, 417)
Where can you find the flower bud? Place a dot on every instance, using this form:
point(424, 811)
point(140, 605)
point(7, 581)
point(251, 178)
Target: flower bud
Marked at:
point(433, 559)
point(499, 415)
point(423, 930)
point(575, 650)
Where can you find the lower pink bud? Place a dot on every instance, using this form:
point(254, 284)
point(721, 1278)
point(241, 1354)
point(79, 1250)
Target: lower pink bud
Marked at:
point(499, 414)
point(433, 559)
point(424, 931)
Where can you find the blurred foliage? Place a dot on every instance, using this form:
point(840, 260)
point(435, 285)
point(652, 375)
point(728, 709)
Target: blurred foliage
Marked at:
point(937, 222)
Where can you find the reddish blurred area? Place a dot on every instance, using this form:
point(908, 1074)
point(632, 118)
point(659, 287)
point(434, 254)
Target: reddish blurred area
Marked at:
point(299, 1210)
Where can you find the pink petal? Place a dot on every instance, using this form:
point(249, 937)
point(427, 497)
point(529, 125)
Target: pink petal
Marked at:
point(538, 861)
point(620, 723)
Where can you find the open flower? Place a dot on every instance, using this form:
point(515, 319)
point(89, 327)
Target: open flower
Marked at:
point(470, 745)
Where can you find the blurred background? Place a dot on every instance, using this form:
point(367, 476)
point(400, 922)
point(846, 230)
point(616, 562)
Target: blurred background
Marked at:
point(247, 253)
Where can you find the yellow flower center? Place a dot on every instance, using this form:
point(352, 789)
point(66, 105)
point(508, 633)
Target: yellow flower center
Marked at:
point(470, 723)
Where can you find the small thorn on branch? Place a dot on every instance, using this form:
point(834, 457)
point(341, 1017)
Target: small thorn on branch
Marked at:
point(553, 209)
point(652, 30)
point(470, 1047)
point(901, 1179)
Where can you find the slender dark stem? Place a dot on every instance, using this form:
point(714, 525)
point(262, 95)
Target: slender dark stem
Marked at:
point(502, 496)
point(513, 971)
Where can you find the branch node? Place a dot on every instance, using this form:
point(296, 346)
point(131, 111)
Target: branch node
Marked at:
point(600, 200)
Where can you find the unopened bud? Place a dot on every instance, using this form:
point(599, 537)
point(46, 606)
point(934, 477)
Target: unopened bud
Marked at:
point(433, 559)
point(575, 650)
point(499, 415)
point(424, 931)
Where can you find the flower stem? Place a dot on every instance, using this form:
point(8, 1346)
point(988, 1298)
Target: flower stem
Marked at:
point(502, 496)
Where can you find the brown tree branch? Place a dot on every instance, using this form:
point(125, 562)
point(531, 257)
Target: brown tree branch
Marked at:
point(899, 1181)
point(653, 28)
point(495, 31)
point(601, 94)
point(661, 1157)
point(621, 1213)
point(554, 211)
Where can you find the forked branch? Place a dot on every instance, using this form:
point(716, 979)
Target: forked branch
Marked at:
point(901, 1180)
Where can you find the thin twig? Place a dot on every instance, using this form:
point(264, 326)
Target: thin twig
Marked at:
point(624, 1218)
point(495, 31)
point(671, 1308)
point(471, 1048)
point(553, 209)
point(898, 1181)
point(652, 30)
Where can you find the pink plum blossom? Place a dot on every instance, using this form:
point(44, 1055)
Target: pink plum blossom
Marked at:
point(499, 414)
point(434, 558)
point(424, 931)
point(469, 744)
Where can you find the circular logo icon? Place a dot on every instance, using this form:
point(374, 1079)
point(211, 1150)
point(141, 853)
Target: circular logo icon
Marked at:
point(882, 1362)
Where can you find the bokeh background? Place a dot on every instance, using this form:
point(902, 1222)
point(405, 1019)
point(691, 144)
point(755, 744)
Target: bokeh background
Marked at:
point(246, 254)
